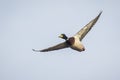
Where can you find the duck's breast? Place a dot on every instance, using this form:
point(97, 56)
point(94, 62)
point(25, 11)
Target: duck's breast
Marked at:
point(77, 45)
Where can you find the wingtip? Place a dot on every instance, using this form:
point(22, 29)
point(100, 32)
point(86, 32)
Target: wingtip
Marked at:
point(36, 50)
point(43, 51)
point(33, 49)
point(100, 13)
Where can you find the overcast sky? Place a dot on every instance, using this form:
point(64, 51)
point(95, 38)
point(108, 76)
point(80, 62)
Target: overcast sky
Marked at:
point(28, 24)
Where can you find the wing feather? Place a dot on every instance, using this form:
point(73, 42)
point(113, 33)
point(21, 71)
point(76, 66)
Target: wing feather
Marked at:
point(82, 33)
point(56, 47)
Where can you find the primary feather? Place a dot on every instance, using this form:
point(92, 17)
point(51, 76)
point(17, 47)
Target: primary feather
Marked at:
point(82, 33)
point(56, 47)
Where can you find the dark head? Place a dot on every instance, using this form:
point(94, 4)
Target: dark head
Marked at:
point(63, 36)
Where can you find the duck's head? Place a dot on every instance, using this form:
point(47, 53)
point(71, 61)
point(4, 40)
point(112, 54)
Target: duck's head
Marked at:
point(63, 36)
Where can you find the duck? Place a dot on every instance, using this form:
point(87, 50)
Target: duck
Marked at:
point(74, 42)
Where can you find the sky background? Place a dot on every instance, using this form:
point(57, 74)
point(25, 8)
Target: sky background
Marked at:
point(28, 24)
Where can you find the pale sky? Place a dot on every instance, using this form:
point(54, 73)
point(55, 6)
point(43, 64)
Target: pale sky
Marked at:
point(28, 24)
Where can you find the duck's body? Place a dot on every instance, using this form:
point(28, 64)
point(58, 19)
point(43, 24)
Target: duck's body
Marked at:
point(75, 44)
point(78, 45)
point(75, 41)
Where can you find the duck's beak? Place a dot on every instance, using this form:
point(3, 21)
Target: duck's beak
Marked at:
point(61, 36)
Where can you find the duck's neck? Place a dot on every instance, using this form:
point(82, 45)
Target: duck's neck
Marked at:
point(65, 37)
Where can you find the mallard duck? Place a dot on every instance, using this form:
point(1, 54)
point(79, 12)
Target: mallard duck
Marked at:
point(74, 42)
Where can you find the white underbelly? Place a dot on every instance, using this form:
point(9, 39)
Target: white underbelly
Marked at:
point(77, 45)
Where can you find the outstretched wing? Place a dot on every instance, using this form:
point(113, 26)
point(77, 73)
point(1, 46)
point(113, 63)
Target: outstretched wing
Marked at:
point(82, 33)
point(56, 47)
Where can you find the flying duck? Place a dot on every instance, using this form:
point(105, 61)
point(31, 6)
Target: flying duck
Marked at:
point(74, 42)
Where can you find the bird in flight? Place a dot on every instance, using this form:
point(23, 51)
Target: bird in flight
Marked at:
point(74, 42)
